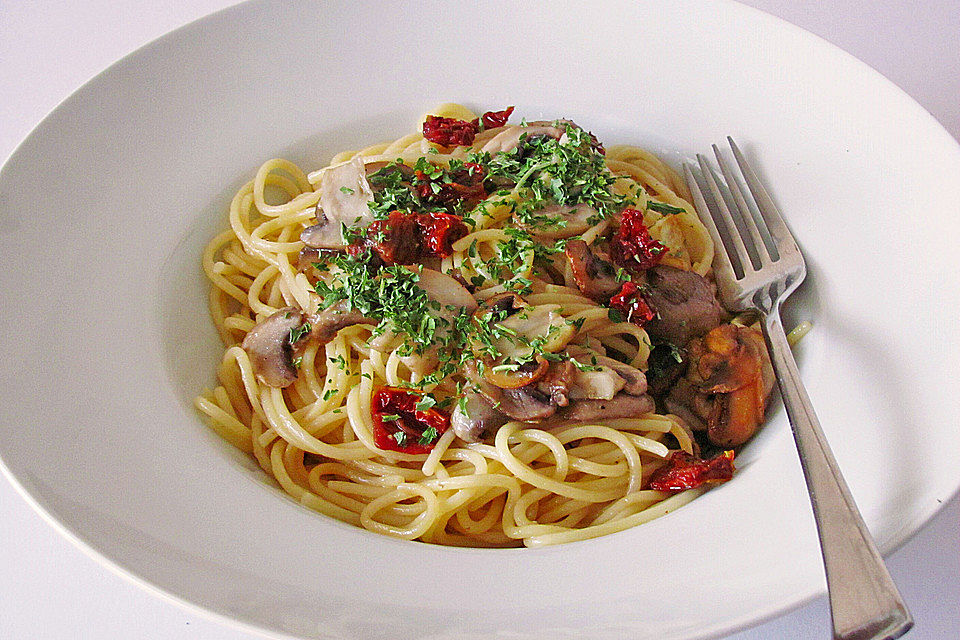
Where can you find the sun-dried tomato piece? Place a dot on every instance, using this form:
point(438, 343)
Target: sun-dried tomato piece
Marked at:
point(449, 132)
point(448, 189)
point(632, 247)
point(399, 426)
point(685, 471)
point(396, 239)
point(492, 119)
point(405, 238)
point(632, 305)
point(439, 232)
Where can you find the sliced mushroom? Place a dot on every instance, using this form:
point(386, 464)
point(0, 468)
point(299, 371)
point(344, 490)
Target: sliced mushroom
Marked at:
point(539, 322)
point(556, 221)
point(596, 276)
point(446, 290)
point(515, 325)
point(310, 256)
point(684, 302)
point(726, 359)
point(622, 405)
point(557, 382)
point(325, 324)
point(727, 385)
point(693, 406)
point(326, 234)
point(345, 195)
point(595, 382)
point(508, 139)
point(634, 380)
point(475, 417)
point(526, 404)
point(514, 376)
point(270, 350)
point(307, 257)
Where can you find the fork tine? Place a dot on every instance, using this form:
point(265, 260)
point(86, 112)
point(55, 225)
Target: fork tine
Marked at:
point(745, 213)
point(746, 265)
point(781, 235)
point(720, 258)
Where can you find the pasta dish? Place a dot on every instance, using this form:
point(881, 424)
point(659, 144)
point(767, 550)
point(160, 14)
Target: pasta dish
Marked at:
point(484, 333)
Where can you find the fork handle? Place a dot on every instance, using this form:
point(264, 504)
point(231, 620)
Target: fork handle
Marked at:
point(864, 602)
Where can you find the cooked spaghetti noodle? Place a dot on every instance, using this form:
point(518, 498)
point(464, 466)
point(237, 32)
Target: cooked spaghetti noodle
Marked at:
point(533, 482)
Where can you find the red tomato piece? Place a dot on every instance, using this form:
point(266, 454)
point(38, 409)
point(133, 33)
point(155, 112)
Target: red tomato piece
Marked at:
point(396, 239)
point(493, 119)
point(631, 303)
point(418, 429)
point(632, 247)
point(448, 189)
point(439, 232)
point(449, 132)
point(685, 471)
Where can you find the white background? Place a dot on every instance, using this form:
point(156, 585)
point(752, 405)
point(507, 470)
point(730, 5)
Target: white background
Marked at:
point(50, 589)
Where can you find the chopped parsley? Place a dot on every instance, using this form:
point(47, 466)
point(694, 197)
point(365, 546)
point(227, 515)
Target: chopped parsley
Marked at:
point(662, 207)
point(511, 259)
point(425, 403)
point(428, 436)
point(547, 171)
point(562, 174)
point(298, 332)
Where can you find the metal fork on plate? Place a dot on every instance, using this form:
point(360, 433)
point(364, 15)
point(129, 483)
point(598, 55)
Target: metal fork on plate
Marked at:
point(758, 264)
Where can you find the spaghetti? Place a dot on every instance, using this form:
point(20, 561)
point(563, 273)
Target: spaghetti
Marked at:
point(376, 352)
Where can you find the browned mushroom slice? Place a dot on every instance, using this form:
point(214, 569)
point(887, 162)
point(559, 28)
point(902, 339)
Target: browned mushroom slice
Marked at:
point(309, 256)
point(726, 359)
point(596, 277)
point(514, 376)
point(557, 382)
point(622, 405)
point(684, 302)
point(556, 221)
point(635, 381)
point(632, 380)
point(508, 139)
point(526, 404)
point(690, 404)
point(270, 347)
point(325, 324)
point(475, 417)
point(727, 385)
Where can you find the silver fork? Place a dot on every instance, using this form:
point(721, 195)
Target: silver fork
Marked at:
point(864, 602)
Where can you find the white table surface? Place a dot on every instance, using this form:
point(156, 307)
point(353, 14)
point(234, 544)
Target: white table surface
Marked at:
point(49, 589)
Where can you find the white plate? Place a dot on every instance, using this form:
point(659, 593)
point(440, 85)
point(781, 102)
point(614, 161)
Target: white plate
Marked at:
point(104, 209)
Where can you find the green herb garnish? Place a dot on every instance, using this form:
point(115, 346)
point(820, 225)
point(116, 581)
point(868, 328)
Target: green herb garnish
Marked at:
point(662, 207)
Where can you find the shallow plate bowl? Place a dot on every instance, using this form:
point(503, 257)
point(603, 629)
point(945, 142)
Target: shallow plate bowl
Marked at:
point(105, 207)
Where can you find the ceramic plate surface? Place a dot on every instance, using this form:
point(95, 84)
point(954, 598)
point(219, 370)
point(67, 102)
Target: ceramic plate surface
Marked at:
point(105, 207)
